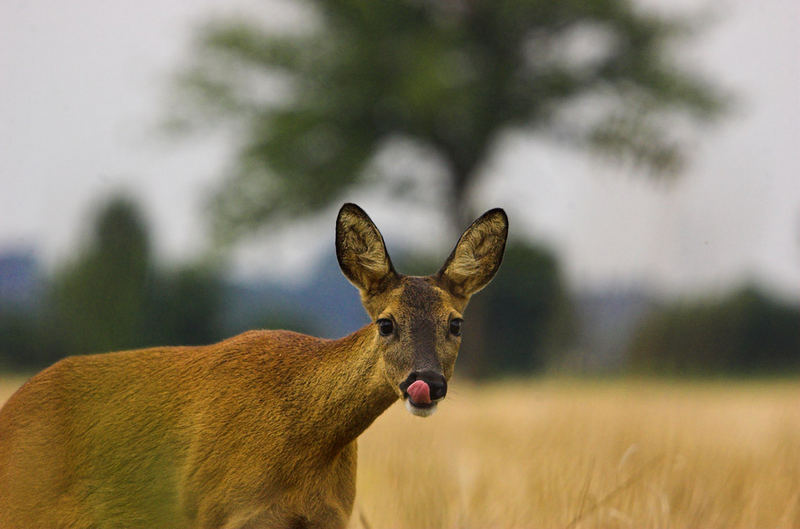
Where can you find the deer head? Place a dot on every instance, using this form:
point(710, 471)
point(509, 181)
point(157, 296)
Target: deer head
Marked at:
point(417, 320)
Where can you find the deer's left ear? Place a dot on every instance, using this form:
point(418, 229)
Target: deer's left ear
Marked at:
point(361, 251)
point(477, 255)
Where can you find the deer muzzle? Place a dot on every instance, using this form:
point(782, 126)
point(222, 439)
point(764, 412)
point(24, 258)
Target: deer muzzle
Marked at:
point(422, 390)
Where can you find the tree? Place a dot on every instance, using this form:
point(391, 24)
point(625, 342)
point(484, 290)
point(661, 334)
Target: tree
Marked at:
point(528, 310)
point(444, 77)
point(185, 307)
point(99, 302)
point(115, 297)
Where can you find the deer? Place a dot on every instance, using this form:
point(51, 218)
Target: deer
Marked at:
point(257, 431)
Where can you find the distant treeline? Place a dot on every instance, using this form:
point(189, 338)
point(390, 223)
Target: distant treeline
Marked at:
point(745, 332)
point(114, 296)
point(111, 297)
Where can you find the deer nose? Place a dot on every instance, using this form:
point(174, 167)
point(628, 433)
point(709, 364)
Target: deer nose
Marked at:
point(435, 381)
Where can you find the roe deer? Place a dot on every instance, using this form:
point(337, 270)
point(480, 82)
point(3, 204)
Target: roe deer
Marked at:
point(256, 431)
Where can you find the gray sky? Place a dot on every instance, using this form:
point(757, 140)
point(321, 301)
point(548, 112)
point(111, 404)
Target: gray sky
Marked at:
point(84, 84)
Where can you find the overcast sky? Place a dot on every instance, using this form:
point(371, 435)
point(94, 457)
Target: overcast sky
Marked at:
point(84, 84)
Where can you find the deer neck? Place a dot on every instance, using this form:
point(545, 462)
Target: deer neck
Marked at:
point(350, 389)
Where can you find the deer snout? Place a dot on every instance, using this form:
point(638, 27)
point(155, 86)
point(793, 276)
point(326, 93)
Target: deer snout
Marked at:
point(422, 390)
point(424, 387)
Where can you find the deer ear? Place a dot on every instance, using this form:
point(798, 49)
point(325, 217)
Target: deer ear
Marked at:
point(477, 255)
point(361, 251)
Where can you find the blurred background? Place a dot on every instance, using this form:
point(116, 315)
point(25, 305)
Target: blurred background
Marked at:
point(171, 174)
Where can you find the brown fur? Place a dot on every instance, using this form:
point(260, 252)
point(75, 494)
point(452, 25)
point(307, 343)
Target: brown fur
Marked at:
point(256, 431)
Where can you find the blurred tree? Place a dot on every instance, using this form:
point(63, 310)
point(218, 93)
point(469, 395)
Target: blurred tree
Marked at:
point(19, 339)
point(528, 311)
point(113, 297)
point(746, 332)
point(446, 77)
point(184, 307)
point(99, 302)
point(315, 108)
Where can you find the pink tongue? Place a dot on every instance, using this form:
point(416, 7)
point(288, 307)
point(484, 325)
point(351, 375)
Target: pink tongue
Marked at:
point(419, 392)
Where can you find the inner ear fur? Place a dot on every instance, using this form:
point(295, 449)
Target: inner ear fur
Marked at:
point(361, 251)
point(477, 256)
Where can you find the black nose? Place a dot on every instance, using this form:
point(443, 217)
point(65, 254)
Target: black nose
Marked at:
point(435, 381)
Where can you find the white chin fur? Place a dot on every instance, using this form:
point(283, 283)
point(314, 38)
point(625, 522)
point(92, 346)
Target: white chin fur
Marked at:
point(420, 412)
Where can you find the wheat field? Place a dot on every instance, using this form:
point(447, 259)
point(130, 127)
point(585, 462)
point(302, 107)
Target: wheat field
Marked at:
point(577, 454)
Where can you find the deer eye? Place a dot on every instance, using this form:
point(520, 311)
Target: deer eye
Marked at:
point(385, 326)
point(455, 326)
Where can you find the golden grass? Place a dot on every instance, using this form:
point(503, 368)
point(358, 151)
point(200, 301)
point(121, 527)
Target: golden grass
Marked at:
point(572, 454)
point(577, 455)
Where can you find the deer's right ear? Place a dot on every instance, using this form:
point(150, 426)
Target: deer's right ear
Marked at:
point(361, 251)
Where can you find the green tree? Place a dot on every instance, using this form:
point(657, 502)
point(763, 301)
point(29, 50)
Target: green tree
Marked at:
point(528, 311)
point(184, 307)
point(99, 302)
point(445, 77)
point(114, 296)
point(443, 80)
